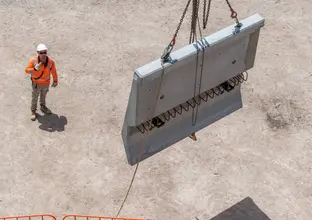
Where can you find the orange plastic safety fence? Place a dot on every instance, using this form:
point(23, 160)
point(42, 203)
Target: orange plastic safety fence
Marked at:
point(89, 217)
point(30, 217)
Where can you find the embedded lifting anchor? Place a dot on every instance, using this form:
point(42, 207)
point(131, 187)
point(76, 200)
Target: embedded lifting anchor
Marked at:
point(157, 122)
point(193, 137)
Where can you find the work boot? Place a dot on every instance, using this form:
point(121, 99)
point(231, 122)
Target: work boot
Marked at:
point(33, 115)
point(45, 110)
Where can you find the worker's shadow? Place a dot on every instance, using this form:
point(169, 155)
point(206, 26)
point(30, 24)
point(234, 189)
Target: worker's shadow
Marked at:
point(52, 122)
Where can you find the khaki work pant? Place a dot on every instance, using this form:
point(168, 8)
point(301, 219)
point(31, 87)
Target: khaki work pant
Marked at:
point(37, 90)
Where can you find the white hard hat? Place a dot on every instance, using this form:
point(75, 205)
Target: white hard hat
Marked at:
point(41, 47)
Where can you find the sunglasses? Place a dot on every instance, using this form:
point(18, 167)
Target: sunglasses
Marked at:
point(45, 52)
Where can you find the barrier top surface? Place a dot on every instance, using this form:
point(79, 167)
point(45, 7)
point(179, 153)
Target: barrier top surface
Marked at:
point(249, 24)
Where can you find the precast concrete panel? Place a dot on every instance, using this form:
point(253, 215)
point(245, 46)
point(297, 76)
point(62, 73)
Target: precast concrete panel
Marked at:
point(199, 88)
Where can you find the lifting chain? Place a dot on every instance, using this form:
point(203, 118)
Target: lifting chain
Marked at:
point(166, 54)
point(233, 14)
point(205, 15)
point(194, 21)
point(206, 11)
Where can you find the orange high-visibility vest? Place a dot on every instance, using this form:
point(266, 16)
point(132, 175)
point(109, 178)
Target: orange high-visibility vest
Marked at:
point(42, 77)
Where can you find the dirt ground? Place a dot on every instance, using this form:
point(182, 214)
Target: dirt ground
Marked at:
point(74, 160)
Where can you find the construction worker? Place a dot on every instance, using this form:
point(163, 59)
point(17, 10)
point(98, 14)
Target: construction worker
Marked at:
point(40, 68)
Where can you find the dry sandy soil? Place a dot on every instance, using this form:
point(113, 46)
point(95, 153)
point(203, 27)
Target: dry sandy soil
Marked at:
point(74, 161)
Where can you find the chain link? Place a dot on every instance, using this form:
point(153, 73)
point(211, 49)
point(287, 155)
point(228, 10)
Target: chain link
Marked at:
point(169, 48)
point(205, 16)
point(233, 13)
point(206, 13)
point(194, 21)
point(181, 20)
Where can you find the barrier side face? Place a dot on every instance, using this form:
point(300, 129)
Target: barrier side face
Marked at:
point(228, 55)
point(131, 115)
point(252, 49)
point(178, 86)
point(181, 126)
point(224, 61)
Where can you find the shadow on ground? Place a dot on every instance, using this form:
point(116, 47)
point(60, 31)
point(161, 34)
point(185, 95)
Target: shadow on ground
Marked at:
point(52, 122)
point(243, 210)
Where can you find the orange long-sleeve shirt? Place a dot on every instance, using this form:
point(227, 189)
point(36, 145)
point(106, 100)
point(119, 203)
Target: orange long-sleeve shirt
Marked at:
point(47, 70)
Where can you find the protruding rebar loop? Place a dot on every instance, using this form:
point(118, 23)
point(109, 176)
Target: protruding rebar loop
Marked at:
point(172, 113)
